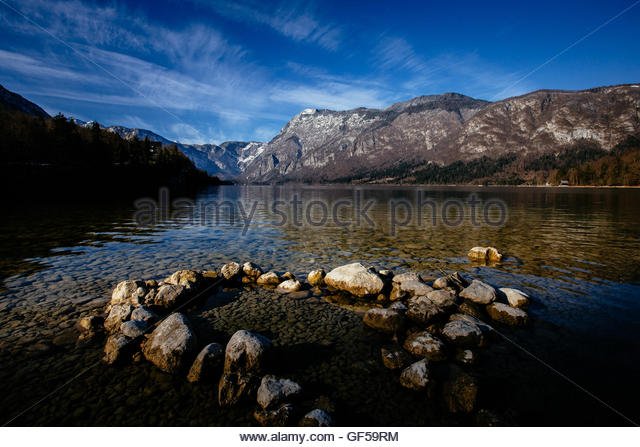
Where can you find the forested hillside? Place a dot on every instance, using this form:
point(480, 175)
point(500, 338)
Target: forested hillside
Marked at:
point(37, 152)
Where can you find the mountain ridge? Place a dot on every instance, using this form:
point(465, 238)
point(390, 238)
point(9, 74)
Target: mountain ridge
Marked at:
point(323, 145)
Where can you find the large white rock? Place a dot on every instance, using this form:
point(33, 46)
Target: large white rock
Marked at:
point(172, 344)
point(245, 358)
point(356, 279)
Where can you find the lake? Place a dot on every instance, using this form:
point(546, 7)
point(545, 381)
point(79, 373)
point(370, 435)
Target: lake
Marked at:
point(575, 251)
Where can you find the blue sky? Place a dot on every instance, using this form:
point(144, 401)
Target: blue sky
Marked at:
point(212, 71)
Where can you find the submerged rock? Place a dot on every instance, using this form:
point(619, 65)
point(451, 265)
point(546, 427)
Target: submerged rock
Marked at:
point(316, 277)
point(394, 357)
point(89, 327)
point(317, 418)
point(484, 254)
point(171, 345)
point(207, 364)
point(355, 279)
point(515, 297)
point(423, 344)
point(278, 417)
point(460, 392)
point(386, 320)
point(268, 279)
point(245, 358)
point(479, 292)
point(231, 271)
point(274, 391)
point(466, 357)
point(288, 286)
point(115, 349)
point(416, 376)
point(507, 315)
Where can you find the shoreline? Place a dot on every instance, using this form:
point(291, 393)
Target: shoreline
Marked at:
point(428, 333)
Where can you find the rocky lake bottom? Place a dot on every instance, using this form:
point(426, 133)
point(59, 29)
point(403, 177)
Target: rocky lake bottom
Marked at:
point(583, 314)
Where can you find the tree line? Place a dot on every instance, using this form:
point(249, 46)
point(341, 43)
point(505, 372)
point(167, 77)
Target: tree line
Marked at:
point(56, 152)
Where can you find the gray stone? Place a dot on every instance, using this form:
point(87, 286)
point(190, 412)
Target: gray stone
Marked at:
point(453, 281)
point(515, 297)
point(115, 349)
point(133, 328)
point(317, 418)
point(423, 310)
point(423, 344)
point(394, 357)
point(128, 292)
point(413, 288)
point(462, 333)
point(408, 276)
point(466, 357)
point(89, 327)
point(460, 392)
point(208, 364)
point(444, 299)
point(274, 392)
point(385, 320)
point(171, 345)
point(279, 417)
point(507, 315)
point(416, 376)
point(143, 313)
point(245, 358)
point(170, 296)
point(479, 292)
point(355, 279)
point(399, 306)
point(118, 314)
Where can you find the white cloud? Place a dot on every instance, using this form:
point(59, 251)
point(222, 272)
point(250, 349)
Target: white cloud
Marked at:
point(289, 19)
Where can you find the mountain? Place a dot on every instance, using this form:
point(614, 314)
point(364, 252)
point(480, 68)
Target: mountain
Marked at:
point(324, 145)
point(544, 121)
point(226, 161)
point(13, 102)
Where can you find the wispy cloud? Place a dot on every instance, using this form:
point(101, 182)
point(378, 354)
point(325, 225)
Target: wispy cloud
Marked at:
point(395, 53)
point(291, 19)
